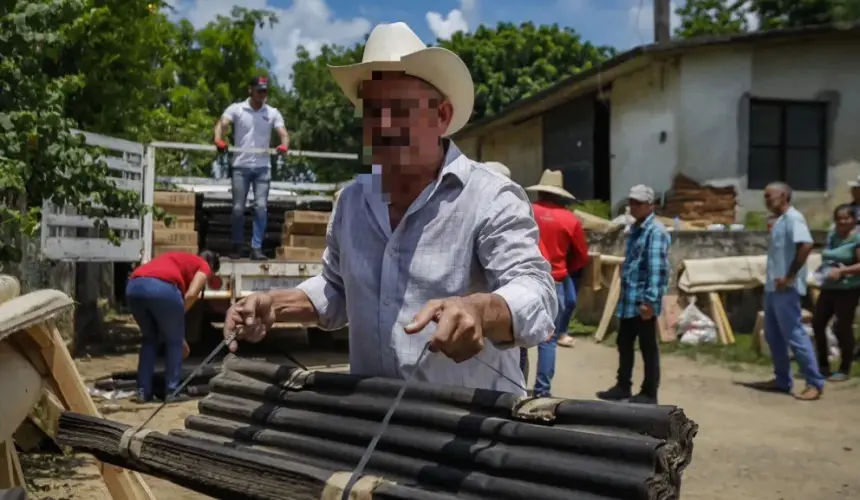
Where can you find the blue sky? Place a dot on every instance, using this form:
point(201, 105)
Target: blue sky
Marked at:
point(312, 23)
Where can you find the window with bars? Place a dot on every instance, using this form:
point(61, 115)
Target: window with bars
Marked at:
point(788, 144)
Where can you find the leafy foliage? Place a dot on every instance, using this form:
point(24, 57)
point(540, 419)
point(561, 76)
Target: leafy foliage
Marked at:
point(40, 158)
point(718, 17)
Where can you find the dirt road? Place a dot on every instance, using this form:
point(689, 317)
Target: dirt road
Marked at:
point(750, 446)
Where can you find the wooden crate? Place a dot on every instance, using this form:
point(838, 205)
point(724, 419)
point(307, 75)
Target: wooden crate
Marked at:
point(307, 217)
point(165, 199)
point(295, 254)
point(181, 237)
point(183, 222)
point(162, 249)
point(304, 241)
point(303, 229)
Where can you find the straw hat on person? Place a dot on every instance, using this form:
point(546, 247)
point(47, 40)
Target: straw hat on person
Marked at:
point(395, 47)
point(551, 181)
point(499, 167)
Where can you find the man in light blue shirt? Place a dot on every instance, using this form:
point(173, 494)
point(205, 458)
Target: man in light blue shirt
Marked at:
point(785, 283)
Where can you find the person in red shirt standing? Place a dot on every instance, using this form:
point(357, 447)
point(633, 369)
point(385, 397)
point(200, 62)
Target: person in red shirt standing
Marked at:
point(562, 243)
point(158, 294)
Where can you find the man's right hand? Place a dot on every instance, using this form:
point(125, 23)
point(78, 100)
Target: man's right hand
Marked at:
point(221, 145)
point(250, 318)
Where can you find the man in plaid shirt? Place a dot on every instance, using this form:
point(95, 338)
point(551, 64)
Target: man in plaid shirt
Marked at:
point(644, 278)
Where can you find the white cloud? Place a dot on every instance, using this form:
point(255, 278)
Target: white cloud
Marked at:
point(310, 23)
point(456, 20)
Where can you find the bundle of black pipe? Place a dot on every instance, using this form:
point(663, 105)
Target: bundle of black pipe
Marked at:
point(127, 381)
point(269, 431)
point(470, 443)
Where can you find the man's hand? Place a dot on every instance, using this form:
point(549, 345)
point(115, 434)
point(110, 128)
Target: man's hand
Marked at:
point(835, 274)
point(282, 149)
point(646, 312)
point(250, 318)
point(221, 145)
point(459, 332)
point(185, 350)
point(783, 283)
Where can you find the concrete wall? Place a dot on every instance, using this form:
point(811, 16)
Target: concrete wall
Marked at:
point(644, 141)
point(700, 101)
point(520, 147)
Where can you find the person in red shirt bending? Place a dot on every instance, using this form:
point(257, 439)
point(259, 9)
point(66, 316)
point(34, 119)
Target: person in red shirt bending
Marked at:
point(562, 243)
point(158, 294)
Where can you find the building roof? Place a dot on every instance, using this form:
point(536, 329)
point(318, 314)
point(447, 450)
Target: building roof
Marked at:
point(634, 59)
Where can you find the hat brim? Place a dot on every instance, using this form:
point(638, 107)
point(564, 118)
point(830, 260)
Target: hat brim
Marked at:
point(437, 66)
point(552, 190)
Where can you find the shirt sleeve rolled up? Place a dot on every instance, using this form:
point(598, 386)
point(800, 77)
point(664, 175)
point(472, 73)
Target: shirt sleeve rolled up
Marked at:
point(325, 290)
point(507, 248)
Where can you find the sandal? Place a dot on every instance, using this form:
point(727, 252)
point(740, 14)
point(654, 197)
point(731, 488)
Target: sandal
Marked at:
point(566, 341)
point(810, 393)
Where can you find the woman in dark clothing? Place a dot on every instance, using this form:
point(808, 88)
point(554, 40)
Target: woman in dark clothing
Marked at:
point(158, 294)
point(840, 291)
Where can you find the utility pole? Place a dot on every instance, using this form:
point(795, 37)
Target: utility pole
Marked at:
point(662, 33)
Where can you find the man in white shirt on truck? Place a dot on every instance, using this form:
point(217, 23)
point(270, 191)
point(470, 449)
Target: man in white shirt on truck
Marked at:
point(253, 121)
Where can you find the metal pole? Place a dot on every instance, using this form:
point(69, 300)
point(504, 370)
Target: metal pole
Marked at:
point(209, 147)
point(662, 30)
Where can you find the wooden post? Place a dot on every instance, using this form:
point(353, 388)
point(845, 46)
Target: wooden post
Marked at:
point(662, 14)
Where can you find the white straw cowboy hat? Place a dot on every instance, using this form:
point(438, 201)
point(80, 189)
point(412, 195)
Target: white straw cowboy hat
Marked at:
point(500, 168)
point(551, 181)
point(395, 47)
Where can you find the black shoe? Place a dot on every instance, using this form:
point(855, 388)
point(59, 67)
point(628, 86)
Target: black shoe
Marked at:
point(179, 398)
point(643, 399)
point(257, 254)
point(615, 393)
point(142, 399)
point(236, 252)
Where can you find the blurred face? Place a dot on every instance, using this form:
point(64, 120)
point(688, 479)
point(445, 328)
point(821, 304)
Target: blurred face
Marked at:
point(258, 96)
point(403, 120)
point(774, 199)
point(844, 221)
point(639, 209)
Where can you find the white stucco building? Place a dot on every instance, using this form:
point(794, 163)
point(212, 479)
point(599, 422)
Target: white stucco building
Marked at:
point(741, 110)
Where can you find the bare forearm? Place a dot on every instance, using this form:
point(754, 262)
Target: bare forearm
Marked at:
point(803, 251)
point(218, 132)
point(293, 306)
point(495, 317)
point(285, 137)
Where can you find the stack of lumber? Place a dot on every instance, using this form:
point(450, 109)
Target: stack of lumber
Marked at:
point(179, 234)
point(689, 200)
point(270, 431)
point(303, 236)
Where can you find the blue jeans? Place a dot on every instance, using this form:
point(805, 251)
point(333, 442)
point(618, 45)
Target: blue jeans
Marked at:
point(783, 329)
point(566, 293)
point(159, 310)
point(245, 178)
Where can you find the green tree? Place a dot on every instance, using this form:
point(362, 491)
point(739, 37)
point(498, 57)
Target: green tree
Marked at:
point(511, 62)
point(712, 17)
point(319, 117)
point(39, 156)
point(717, 17)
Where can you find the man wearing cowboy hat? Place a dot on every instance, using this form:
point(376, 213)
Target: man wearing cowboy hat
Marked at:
point(562, 243)
point(432, 247)
point(644, 278)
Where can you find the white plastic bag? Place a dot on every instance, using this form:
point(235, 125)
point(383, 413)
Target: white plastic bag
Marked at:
point(695, 327)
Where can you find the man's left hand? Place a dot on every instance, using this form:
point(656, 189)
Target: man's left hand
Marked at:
point(282, 149)
point(459, 332)
point(782, 283)
point(646, 311)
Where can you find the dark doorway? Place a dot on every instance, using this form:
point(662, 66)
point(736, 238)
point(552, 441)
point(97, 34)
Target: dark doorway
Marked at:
point(602, 151)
